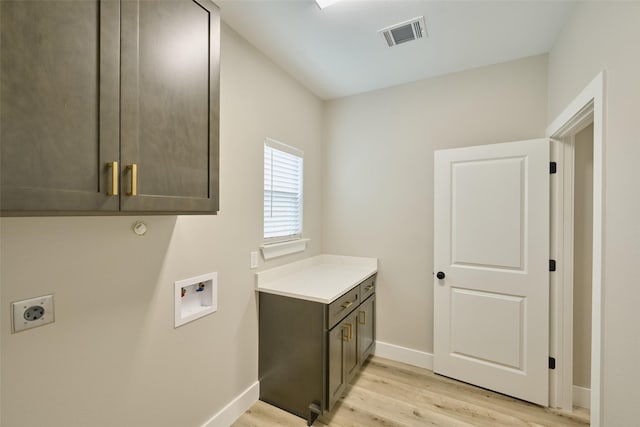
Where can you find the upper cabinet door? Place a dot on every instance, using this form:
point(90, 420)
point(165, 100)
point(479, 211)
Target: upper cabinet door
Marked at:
point(169, 106)
point(59, 129)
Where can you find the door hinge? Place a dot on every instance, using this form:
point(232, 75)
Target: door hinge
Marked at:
point(552, 363)
point(552, 265)
point(553, 167)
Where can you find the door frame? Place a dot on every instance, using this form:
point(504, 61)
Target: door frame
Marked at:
point(586, 108)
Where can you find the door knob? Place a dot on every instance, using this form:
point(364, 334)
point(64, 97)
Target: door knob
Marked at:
point(440, 275)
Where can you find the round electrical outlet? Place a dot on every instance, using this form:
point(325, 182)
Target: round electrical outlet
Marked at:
point(34, 312)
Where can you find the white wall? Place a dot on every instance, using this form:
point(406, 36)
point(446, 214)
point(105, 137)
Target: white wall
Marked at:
point(379, 174)
point(606, 36)
point(113, 357)
point(582, 256)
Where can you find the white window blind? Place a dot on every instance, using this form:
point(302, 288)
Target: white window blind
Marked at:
point(282, 192)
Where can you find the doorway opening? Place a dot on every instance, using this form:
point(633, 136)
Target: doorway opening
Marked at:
point(582, 265)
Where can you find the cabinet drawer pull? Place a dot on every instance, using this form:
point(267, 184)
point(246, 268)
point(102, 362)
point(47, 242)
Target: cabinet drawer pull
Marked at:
point(114, 178)
point(347, 304)
point(363, 319)
point(134, 179)
point(368, 287)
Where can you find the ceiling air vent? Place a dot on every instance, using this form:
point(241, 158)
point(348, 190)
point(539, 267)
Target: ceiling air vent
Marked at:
point(405, 31)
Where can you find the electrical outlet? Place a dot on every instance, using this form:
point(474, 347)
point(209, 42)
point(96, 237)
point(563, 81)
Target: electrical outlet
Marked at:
point(254, 260)
point(32, 312)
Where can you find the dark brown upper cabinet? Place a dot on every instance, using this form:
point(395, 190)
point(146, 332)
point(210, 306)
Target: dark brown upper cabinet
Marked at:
point(109, 107)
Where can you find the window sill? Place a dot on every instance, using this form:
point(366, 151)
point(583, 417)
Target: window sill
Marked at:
point(274, 250)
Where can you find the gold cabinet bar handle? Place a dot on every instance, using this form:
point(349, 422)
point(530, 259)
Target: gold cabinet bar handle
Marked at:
point(114, 178)
point(368, 288)
point(134, 179)
point(350, 331)
point(345, 337)
point(347, 304)
point(363, 319)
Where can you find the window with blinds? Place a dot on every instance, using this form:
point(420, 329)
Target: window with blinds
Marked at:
point(282, 192)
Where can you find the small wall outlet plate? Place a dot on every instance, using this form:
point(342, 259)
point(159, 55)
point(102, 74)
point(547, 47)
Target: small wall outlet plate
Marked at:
point(254, 260)
point(195, 297)
point(32, 312)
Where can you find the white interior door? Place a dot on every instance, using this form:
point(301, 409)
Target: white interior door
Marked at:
point(491, 312)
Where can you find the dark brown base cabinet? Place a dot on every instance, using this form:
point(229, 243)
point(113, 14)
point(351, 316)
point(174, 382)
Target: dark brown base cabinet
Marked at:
point(109, 107)
point(309, 351)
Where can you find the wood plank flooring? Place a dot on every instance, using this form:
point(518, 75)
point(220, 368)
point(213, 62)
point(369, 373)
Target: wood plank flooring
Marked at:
point(391, 394)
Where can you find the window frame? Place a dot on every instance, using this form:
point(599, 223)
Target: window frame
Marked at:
point(285, 148)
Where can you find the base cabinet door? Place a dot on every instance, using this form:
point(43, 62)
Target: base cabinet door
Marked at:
point(366, 329)
point(337, 338)
point(351, 365)
point(343, 357)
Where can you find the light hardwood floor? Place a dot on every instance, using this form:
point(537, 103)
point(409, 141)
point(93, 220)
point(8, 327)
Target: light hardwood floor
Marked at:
point(390, 394)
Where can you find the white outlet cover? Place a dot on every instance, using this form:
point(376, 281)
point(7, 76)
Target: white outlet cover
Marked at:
point(18, 308)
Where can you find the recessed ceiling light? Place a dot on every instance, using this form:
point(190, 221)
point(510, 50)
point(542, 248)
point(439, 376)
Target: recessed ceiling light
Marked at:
point(324, 3)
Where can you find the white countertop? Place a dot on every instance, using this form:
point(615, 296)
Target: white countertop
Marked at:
point(321, 278)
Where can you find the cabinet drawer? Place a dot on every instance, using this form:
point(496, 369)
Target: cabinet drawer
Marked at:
point(343, 306)
point(367, 288)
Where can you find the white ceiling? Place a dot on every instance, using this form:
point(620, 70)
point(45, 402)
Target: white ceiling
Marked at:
point(338, 51)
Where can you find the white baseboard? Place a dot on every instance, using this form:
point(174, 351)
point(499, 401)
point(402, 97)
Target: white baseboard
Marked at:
point(230, 413)
point(582, 397)
point(406, 355)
